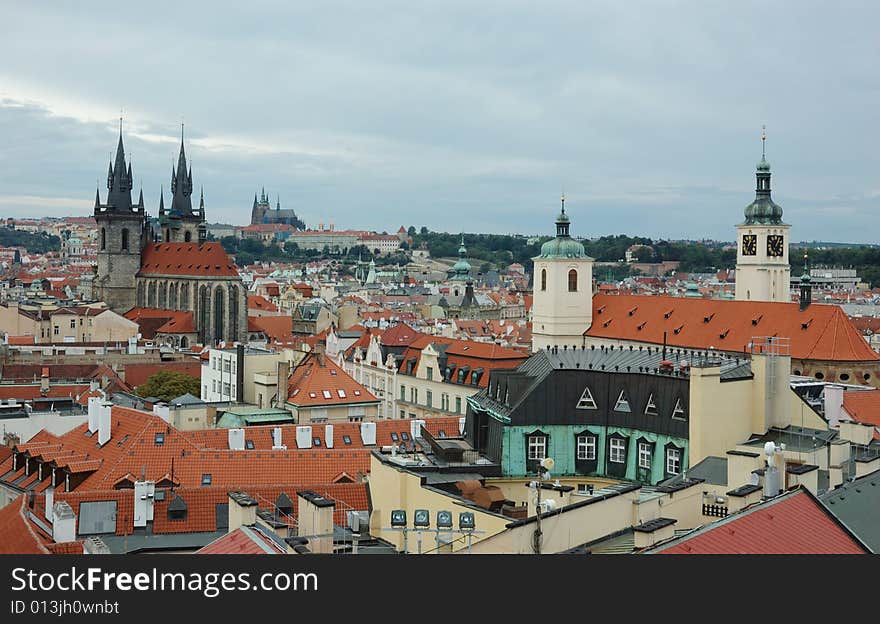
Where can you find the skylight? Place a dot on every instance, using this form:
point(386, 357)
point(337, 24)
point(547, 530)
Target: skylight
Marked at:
point(327, 394)
point(341, 393)
point(312, 395)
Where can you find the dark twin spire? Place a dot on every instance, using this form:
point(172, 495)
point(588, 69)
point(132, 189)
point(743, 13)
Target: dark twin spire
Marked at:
point(119, 182)
point(181, 184)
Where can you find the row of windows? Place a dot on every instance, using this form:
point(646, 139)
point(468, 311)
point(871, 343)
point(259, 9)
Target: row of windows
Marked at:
point(429, 399)
point(622, 404)
point(572, 280)
point(585, 450)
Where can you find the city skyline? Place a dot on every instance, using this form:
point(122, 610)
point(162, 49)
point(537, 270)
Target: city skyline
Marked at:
point(648, 120)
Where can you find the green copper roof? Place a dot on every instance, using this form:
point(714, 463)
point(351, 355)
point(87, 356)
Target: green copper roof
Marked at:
point(763, 211)
point(563, 246)
point(462, 267)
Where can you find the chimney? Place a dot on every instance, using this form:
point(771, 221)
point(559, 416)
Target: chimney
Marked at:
point(163, 412)
point(63, 523)
point(281, 391)
point(104, 419)
point(144, 491)
point(328, 436)
point(44, 381)
point(235, 438)
point(276, 440)
point(320, 352)
point(833, 405)
point(50, 503)
point(242, 510)
point(315, 520)
point(239, 373)
point(304, 436)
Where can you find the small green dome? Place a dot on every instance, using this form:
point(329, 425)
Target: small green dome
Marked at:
point(562, 247)
point(763, 165)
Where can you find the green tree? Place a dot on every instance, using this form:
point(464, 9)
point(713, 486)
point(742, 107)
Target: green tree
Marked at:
point(168, 385)
point(423, 231)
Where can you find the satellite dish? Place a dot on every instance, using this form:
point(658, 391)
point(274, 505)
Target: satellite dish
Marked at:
point(547, 463)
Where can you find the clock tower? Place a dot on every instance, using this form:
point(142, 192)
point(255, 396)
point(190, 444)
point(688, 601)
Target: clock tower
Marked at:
point(762, 269)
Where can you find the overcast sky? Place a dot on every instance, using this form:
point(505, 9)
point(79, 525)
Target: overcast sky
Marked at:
point(469, 116)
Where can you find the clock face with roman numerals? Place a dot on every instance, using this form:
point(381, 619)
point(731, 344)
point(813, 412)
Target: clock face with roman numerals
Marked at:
point(775, 246)
point(750, 244)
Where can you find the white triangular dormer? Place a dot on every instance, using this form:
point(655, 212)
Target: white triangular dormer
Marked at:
point(651, 407)
point(622, 404)
point(587, 401)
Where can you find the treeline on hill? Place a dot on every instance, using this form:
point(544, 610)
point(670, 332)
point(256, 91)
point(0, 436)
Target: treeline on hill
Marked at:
point(497, 251)
point(34, 242)
point(501, 250)
point(249, 250)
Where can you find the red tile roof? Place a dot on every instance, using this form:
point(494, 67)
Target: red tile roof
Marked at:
point(821, 332)
point(276, 328)
point(258, 302)
point(241, 541)
point(466, 353)
point(20, 535)
point(28, 392)
point(319, 382)
point(863, 406)
point(206, 259)
point(790, 524)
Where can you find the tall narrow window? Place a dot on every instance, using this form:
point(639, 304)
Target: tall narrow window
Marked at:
point(645, 453)
point(124, 239)
point(572, 281)
point(673, 461)
point(543, 279)
point(103, 239)
point(617, 451)
point(586, 447)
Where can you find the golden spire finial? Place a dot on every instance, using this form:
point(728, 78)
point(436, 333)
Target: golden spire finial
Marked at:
point(763, 138)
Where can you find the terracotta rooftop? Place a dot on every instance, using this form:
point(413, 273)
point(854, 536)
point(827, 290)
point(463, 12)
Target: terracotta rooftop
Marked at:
point(205, 260)
point(258, 302)
point(863, 406)
point(319, 382)
point(794, 523)
point(820, 332)
point(243, 541)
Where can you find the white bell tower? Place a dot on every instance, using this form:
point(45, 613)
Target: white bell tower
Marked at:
point(762, 269)
point(562, 307)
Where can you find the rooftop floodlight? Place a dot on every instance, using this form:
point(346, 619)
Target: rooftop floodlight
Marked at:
point(466, 521)
point(422, 519)
point(444, 519)
point(398, 518)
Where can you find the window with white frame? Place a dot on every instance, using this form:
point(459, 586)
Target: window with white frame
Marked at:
point(651, 407)
point(678, 411)
point(617, 451)
point(537, 447)
point(622, 404)
point(645, 455)
point(673, 461)
point(586, 447)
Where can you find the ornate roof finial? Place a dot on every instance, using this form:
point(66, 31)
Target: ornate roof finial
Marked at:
point(763, 139)
point(563, 202)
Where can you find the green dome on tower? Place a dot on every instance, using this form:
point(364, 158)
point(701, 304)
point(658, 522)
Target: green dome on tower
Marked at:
point(763, 211)
point(462, 268)
point(563, 246)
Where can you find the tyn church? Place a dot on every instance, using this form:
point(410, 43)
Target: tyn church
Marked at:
point(177, 270)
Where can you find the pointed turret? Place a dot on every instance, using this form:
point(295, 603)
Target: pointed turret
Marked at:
point(202, 200)
point(278, 205)
point(97, 199)
point(763, 210)
point(162, 202)
point(119, 180)
point(181, 184)
point(255, 200)
point(141, 198)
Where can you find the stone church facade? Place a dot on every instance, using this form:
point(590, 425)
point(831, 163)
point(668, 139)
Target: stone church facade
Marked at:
point(180, 272)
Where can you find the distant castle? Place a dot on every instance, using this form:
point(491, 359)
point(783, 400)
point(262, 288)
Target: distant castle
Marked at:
point(263, 213)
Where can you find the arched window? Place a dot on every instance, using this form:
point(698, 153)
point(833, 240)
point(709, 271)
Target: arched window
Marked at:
point(187, 237)
point(103, 239)
point(124, 239)
point(572, 281)
point(543, 279)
